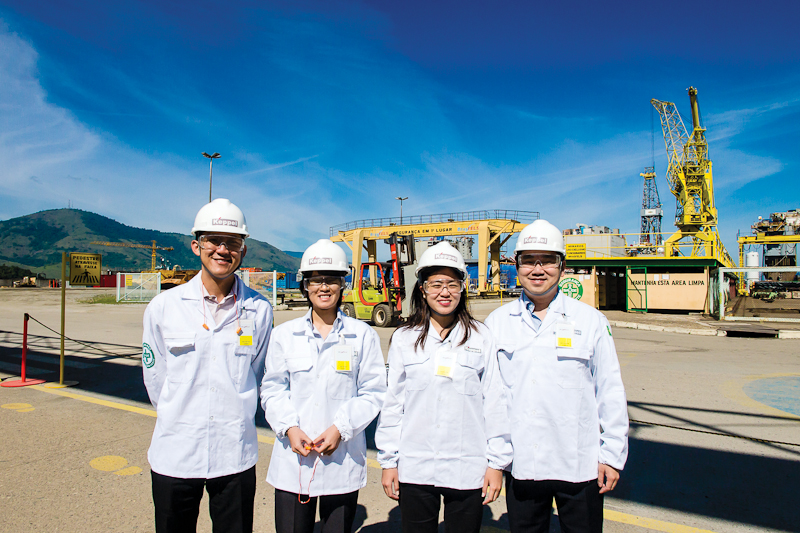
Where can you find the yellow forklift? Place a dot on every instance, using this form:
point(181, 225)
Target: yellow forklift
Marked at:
point(381, 291)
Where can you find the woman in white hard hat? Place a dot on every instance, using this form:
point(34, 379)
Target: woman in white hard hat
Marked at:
point(324, 383)
point(443, 432)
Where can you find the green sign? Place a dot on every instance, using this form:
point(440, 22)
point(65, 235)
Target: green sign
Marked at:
point(571, 287)
point(147, 356)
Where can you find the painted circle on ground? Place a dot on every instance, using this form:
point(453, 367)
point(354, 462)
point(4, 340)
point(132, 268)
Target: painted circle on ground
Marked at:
point(17, 406)
point(571, 287)
point(782, 393)
point(130, 471)
point(108, 463)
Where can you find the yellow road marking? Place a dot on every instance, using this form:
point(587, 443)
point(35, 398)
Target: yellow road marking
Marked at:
point(614, 516)
point(20, 407)
point(650, 523)
point(131, 470)
point(108, 463)
point(97, 401)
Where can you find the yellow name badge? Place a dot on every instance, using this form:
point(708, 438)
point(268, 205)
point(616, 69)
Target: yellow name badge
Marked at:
point(564, 333)
point(445, 360)
point(246, 335)
point(343, 357)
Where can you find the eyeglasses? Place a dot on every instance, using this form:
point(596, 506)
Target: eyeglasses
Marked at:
point(213, 242)
point(529, 261)
point(436, 286)
point(316, 282)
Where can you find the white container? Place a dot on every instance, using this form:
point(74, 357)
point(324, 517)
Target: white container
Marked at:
point(751, 260)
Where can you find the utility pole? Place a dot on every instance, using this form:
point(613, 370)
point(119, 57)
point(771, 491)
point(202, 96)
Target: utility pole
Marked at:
point(211, 158)
point(401, 207)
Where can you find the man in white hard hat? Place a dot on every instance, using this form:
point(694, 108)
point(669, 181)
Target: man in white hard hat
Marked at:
point(567, 403)
point(203, 359)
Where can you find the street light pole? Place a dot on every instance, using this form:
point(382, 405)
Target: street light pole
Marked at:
point(211, 158)
point(401, 207)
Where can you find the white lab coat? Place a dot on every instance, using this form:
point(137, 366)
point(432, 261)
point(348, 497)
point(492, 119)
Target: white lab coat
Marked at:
point(203, 384)
point(444, 431)
point(567, 405)
point(301, 387)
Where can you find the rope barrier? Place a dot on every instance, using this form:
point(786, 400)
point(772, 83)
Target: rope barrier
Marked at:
point(78, 342)
point(715, 433)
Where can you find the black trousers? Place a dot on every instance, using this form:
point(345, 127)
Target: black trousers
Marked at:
point(230, 504)
point(419, 509)
point(336, 512)
point(580, 505)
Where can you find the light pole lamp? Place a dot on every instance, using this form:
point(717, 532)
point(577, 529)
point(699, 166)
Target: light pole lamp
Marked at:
point(401, 198)
point(211, 158)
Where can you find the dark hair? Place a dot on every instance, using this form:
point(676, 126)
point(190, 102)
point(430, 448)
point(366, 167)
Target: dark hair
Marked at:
point(304, 291)
point(421, 312)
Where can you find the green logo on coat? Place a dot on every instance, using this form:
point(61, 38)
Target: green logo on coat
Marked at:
point(571, 287)
point(148, 359)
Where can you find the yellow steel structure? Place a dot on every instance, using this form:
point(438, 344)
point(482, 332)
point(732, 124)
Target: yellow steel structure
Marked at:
point(489, 226)
point(134, 245)
point(690, 180)
point(761, 239)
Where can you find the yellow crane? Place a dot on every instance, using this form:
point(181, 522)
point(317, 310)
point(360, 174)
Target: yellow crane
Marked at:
point(154, 247)
point(690, 180)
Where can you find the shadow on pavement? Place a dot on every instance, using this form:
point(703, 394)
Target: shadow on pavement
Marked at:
point(738, 487)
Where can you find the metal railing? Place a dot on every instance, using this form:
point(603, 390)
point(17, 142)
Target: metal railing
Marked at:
point(464, 216)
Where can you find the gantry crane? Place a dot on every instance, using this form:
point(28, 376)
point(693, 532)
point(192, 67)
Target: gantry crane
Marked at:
point(134, 245)
point(690, 180)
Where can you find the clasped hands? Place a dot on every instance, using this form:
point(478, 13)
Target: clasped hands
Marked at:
point(325, 444)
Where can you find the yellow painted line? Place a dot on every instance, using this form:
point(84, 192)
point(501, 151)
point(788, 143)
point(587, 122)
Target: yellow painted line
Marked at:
point(97, 401)
point(614, 516)
point(650, 523)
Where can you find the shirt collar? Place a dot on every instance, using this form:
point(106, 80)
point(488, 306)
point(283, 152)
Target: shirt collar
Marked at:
point(307, 325)
point(194, 289)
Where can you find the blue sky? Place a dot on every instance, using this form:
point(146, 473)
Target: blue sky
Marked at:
point(324, 112)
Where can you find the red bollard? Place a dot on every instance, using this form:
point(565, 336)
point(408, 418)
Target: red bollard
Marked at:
point(23, 382)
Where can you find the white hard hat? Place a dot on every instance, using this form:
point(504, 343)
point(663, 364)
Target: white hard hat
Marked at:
point(220, 216)
point(540, 236)
point(324, 255)
point(442, 255)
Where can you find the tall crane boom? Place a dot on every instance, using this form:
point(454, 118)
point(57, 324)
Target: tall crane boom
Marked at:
point(691, 182)
point(135, 245)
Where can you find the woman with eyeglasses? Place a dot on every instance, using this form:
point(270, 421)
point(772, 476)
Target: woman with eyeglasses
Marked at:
point(443, 431)
point(324, 383)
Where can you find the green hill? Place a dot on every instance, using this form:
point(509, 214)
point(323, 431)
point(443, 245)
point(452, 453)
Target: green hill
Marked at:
point(36, 241)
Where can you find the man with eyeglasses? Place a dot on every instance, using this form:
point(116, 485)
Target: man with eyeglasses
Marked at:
point(204, 346)
point(566, 398)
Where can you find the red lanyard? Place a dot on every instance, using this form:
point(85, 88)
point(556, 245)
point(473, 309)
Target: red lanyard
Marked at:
point(313, 471)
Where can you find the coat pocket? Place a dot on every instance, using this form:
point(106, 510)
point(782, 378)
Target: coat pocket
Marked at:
point(181, 350)
point(467, 379)
point(239, 363)
point(505, 360)
point(301, 381)
point(418, 373)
